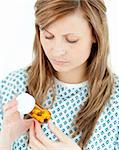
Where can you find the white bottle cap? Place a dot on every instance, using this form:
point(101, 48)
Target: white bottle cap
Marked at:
point(26, 103)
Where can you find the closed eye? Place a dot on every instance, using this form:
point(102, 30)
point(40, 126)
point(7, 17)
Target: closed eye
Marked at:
point(49, 38)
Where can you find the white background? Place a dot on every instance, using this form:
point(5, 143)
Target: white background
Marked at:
point(17, 34)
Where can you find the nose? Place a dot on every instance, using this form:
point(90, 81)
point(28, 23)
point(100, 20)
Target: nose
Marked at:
point(59, 49)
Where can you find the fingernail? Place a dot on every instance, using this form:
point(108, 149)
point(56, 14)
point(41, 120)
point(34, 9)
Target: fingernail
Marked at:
point(35, 121)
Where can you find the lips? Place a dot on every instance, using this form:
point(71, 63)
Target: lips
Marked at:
point(59, 62)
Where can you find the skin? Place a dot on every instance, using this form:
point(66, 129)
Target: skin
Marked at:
point(55, 40)
point(72, 27)
point(74, 71)
point(38, 140)
point(13, 125)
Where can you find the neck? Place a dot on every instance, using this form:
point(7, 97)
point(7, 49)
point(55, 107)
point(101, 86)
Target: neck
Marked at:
point(74, 76)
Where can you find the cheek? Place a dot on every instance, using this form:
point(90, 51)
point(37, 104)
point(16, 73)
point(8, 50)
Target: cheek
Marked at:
point(85, 55)
point(81, 54)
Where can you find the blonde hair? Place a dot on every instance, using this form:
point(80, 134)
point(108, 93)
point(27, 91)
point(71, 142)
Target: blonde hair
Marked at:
point(100, 80)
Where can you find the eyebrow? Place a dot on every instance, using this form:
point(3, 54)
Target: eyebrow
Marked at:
point(77, 34)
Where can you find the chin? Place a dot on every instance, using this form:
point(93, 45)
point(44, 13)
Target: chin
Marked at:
point(61, 69)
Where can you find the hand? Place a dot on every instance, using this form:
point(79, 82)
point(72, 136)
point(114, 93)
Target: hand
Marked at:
point(38, 140)
point(13, 124)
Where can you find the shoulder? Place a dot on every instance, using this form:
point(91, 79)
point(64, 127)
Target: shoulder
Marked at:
point(108, 121)
point(111, 109)
point(13, 84)
point(116, 78)
point(113, 104)
point(115, 91)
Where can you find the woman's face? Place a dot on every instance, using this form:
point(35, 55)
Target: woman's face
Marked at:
point(67, 42)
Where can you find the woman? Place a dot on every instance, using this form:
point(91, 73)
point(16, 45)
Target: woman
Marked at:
point(70, 76)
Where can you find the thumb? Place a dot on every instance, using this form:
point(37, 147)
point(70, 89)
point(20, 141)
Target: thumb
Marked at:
point(60, 135)
point(28, 123)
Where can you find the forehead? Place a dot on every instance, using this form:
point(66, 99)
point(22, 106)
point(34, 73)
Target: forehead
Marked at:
point(71, 23)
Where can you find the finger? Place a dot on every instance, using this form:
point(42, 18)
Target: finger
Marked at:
point(27, 123)
point(9, 112)
point(33, 140)
point(40, 134)
point(32, 146)
point(60, 135)
point(11, 117)
point(9, 105)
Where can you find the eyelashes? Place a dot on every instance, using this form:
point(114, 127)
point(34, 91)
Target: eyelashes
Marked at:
point(50, 38)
